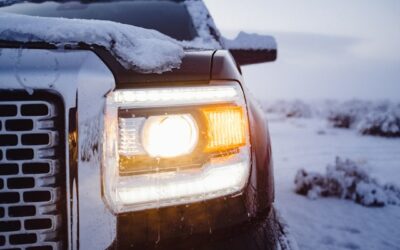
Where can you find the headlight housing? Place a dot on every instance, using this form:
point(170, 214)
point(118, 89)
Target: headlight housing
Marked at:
point(174, 145)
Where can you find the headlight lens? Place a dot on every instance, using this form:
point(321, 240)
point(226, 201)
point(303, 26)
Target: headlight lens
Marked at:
point(168, 146)
point(169, 136)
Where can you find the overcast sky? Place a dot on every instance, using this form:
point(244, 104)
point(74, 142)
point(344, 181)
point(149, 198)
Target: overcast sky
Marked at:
point(338, 49)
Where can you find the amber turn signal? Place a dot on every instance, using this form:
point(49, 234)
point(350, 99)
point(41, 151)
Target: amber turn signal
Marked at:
point(226, 128)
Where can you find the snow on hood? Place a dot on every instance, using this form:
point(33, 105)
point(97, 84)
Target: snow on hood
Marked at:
point(251, 41)
point(147, 51)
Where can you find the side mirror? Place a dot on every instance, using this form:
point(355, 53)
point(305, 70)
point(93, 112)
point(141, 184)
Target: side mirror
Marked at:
point(252, 48)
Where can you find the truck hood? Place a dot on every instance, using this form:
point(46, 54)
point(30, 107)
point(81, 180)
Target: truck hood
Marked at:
point(196, 65)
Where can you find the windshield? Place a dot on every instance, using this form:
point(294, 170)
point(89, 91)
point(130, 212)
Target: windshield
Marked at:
point(170, 18)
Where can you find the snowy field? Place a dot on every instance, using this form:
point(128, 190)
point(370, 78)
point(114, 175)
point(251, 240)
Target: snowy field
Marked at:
point(331, 223)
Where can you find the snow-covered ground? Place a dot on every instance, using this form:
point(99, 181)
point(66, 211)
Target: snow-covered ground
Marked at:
point(331, 223)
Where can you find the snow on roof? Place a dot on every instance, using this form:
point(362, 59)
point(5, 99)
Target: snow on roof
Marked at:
point(147, 51)
point(251, 41)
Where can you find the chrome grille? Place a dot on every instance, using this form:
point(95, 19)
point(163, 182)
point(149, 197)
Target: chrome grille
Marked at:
point(32, 199)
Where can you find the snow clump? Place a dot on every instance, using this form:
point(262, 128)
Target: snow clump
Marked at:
point(251, 41)
point(147, 51)
point(346, 179)
point(382, 120)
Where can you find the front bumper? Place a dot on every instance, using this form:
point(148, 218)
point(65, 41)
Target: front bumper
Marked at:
point(166, 231)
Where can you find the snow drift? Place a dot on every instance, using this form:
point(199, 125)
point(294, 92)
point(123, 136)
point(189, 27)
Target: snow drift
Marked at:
point(346, 180)
point(289, 109)
point(368, 118)
point(380, 118)
point(347, 114)
point(147, 51)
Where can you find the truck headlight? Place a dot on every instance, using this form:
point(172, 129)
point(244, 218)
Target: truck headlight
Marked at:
point(174, 145)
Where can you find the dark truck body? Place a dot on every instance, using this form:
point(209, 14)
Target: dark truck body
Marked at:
point(229, 222)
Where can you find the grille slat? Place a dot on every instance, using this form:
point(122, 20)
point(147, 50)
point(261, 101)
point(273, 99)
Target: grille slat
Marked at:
point(31, 207)
point(8, 110)
point(21, 211)
point(19, 125)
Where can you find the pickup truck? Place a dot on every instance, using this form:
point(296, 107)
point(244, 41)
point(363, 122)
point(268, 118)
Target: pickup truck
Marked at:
point(95, 155)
